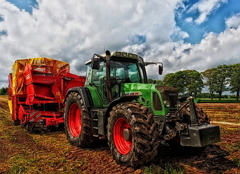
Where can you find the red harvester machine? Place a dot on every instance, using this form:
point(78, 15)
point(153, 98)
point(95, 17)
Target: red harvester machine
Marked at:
point(37, 89)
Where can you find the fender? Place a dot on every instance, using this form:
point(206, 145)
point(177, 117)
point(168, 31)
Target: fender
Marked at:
point(85, 93)
point(120, 100)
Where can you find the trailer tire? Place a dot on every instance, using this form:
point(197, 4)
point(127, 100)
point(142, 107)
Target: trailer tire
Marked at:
point(77, 122)
point(30, 128)
point(16, 122)
point(132, 134)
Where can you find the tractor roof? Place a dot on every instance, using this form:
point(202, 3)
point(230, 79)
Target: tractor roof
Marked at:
point(118, 54)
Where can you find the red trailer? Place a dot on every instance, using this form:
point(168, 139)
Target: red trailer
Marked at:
point(37, 88)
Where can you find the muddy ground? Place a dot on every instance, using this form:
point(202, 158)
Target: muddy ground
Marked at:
point(49, 152)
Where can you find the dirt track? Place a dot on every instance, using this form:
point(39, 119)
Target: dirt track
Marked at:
point(21, 152)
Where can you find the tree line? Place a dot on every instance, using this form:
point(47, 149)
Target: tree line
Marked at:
point(3, 91)
point(218, 80)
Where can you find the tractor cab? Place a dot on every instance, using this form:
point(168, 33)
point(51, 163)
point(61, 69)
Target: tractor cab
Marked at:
point(107, 73)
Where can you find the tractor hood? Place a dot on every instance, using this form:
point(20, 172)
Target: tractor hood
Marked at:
point(160, 98)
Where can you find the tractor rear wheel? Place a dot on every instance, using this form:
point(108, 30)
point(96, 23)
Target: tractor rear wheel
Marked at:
point(132, 134)
point(77, 122)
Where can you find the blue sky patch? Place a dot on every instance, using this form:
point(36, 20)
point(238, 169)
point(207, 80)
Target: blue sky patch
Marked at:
point(138, 39)
point(3, 33)
point(26, 5)
point(215, 22)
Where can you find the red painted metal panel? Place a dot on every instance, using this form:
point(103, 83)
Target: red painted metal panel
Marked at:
point(43, 94)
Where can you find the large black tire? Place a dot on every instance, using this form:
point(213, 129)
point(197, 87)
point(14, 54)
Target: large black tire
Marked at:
point(77, 122)
point(132, 134)
point(202, 116)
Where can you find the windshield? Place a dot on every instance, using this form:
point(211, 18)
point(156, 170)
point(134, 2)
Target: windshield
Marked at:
point(127, 71)
point(121, 71)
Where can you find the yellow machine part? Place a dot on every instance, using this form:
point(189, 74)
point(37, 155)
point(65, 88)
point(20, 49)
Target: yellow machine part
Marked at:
point(19, 65)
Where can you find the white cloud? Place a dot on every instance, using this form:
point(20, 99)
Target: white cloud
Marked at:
point(205, 8)
point(234, 21)
point(189, 20)
point(212, 51)
point(74, 31)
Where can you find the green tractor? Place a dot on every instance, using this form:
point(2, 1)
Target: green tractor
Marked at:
point(118, 105)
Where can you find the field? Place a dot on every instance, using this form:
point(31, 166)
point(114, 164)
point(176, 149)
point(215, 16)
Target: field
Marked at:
point(49, 152)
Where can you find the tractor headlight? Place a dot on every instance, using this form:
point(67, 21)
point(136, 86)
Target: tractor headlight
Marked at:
point(167, 103)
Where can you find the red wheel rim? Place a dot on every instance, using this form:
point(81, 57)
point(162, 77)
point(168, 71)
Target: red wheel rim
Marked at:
point(74, 120)
point(123, 146)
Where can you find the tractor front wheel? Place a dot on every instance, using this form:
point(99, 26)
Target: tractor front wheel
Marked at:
point(132, 134)
point(77, 122)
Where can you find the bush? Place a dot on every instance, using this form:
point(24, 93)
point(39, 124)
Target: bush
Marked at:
point(4, 91)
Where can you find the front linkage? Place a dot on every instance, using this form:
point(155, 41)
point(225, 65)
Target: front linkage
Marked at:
point(189, 128)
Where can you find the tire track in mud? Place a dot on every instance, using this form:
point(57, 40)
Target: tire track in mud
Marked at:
point(224, 122)
point(53, 154)
point(98, 160)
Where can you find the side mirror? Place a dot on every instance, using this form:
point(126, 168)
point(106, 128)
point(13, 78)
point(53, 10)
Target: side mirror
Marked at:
point(95, 63)
point(160, 69)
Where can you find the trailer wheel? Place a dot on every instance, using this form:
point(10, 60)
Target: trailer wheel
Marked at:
point(132, 134)
point(77, 122)
point(16, 122)
point(30, 128)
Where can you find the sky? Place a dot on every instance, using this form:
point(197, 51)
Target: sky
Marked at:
point(183, 34)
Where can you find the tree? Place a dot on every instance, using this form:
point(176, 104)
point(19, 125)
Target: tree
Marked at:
point(189, 81)
point(234, 80)
point(4, 91)
point(194, 82)
point(160, 82)
point(221, 75)
point(175, 80)
point(209, 74)
point(155, 81)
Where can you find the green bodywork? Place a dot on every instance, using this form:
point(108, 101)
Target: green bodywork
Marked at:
point(121, 77)
point(128, 78)
point(144, 91)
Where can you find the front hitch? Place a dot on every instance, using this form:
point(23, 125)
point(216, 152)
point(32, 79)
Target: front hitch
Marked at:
point(198, 134)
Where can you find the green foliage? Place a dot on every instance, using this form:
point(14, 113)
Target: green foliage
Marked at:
point(216, 100)
point(174, 170)
point(223, 78)
point(220, 80)
point(3, 91)
point(175, 80)
point(151, 81)
point(234, 80)
point(236, 161)
point(187, 81)
point(209, 75)
point(148, 170)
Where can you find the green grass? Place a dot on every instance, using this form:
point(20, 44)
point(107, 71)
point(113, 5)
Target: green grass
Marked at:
point(174, 170)
point(216, 100)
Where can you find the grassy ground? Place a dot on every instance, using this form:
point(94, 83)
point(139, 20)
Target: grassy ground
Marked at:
point(49, 152)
